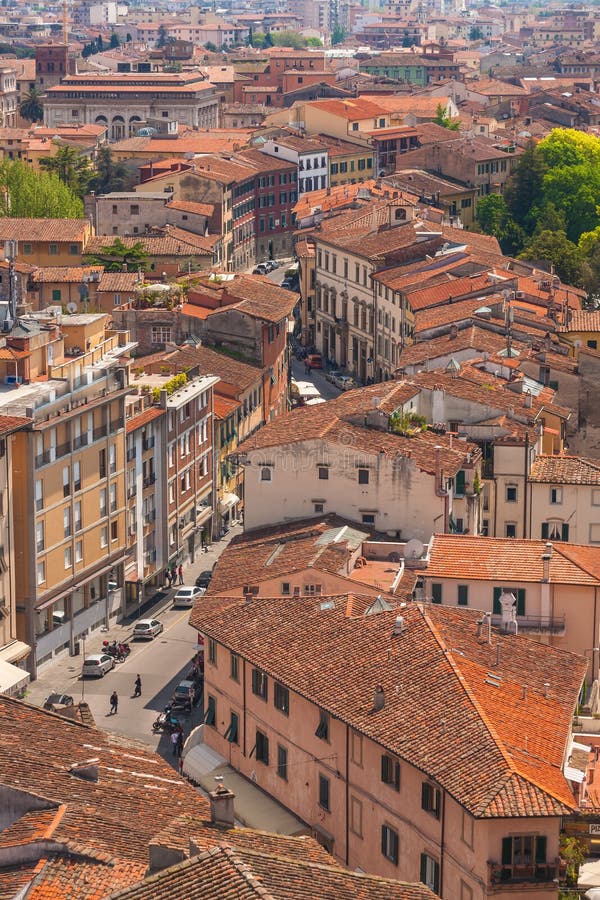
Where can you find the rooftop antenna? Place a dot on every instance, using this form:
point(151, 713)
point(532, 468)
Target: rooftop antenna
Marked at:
point(509, 319)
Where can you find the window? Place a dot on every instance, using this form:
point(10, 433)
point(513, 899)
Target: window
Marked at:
point(261, 747)
point(134, 209)
point(39, 536)
point(436, 593)
point(389, 843)
point(68, 558)
point(212, 651)
point(430, 799)
point(355, 126)
point(234, 666)
point(430, 872)
point(556, 495)
point(390, 771)
point(56, 295)
point(324, 792)
point(519, 593)
point(467, 829)
point(282, 762)
point(78, 551)
point(39, 495)
point(511, 493)
point(463, 594)
point(66, 481)
point(231, 734)
point(323, 473)
point(73, 249)
point(323, 726)
point(524, 850)
point(363, 476)
point(265, 474)
point(368, 518)
point(114, 531)
point(356, 816)
point(41, 572)
point(510, 529)
point(104, 536)
point(459, 484)
point(77, 476)
point(27, 251)
point(555, 531)
point(161, 334)
point(53, 249)
point(318, 507)
point(356, 748)
point(281, 698)
point(66, 522)
point(260, 683)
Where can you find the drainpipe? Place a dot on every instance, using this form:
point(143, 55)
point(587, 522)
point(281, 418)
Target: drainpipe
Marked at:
point(439, 492)
point(595, 638)
point(525, 485)
point(244, 702)
point(347, 795)
point(442, 844)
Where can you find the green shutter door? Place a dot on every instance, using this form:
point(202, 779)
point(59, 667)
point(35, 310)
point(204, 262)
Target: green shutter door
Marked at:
point(436, 593)
point(497, 607)
point(565, 532)
point(459, 487)
point(540, 849)
point(544, 531)
point(463, 595)
point(423, 868)
point(521, 602)
point(506, 851)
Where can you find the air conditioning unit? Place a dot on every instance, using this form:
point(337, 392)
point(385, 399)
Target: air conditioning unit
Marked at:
point(520, 295)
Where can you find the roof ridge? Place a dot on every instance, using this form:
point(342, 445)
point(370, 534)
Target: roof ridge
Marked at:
point(61, 810)
point(575, 562)
point(245, 870)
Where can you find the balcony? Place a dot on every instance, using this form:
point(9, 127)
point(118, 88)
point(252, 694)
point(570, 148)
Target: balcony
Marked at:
point(80, 441)
point(149, 480)
point(537, 624)
point(148, 444)
point(42, 459)
point(99, 432)
point(150, 517)
point(131, 492)
point(519, 876)
point(131, 454)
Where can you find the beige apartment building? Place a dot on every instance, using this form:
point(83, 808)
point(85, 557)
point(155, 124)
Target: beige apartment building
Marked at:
point(68, 479)
point(383, 727)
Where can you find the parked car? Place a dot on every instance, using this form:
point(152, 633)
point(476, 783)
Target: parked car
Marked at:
point(147, 629)
point(185, 596)
point(58, 700)
point(287, 284)
point(203, 579)
point(333, 375)
point(345, 382)
point(274, 264)
point(314, 361)
point(98, 664)
point(261, 269)
point(184, 696)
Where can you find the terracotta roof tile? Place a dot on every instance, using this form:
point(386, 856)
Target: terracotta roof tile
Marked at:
point(63, 274)
point(582, 320)
point(504, 560)
point(125, 282)
point(143, 418)
point(565, 470)
point(240, 375)
point(59, 230)
point(224, 406)
point(333, 658)
point(83, 879)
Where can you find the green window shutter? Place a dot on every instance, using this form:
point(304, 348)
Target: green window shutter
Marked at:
point(540, 848)
point(423, 868)
point(425, 796)
point(384, 840)
point(544, 531)
point(384, 768)
point(463, 594)
point(459, 487)
point(436, 878)
point(506, 851)
point(436, 593)
point(565, 532)
point(497, 607)
point(521, 602)
point(395, 847)
point(57, 294)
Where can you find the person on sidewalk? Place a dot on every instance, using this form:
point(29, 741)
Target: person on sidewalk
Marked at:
point(175, 742)
point(180, 573)
point(114, 703)
point(137, 692)
point(179, 743)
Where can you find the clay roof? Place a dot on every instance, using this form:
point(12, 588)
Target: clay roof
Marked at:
point(232, 371)
point(59, 230)
point(143, 418)
point(255, 295)
point(8, 424)
point(119, 281)
point(63, 274)
point(225, 872)
point(450, 313)
point(565, 470)
point(325, 544)
point(449, 290)
point(497, 754)
point(582, 320)
point(174, 242)
point(224, 406)
point(503, 560)
point(199, 209)
point(480, 340)
point(351, 109)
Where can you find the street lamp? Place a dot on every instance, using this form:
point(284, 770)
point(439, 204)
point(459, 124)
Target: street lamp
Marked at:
point(111, 586)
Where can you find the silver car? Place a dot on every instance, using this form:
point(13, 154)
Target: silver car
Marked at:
point(147, 629)
point(98, 664)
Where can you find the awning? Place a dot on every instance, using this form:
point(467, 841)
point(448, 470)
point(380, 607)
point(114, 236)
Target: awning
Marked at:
point(228, 501)
point(12, 653)
point(12, 678)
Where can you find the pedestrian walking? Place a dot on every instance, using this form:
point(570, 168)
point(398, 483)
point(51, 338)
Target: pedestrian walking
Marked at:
point(179, 743)
point(114, 703)
point(174, 574)
point(168, 577)
point(180, 573)
point(175, 742)
point(137, 692)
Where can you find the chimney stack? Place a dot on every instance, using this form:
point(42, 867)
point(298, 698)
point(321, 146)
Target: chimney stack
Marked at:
point(546, 557)
point(221, 806)
point(378, 698)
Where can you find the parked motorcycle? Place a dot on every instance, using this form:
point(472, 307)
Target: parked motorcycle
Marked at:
point(120, 651)
point(166, 722)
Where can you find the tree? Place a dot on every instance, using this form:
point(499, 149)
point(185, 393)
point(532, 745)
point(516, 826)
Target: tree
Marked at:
point(287, 39)
point(314, 42)
point(573, 853)
point(71, 167)
point(31, 107)
point(554, 247)
point(99, 43)
point(491, 213)
point(523, 190)
point(211, 47)
point(128, 38)
point(27, 193)
point(118, 257)
point(162, 36)
point(442, 118)
point(476, 34)
point(268, 40)
point(114, 41)
point(338, 35)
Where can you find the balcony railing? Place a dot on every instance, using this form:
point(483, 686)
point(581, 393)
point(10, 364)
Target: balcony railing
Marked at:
point(540, 624)
point(535, 873)
point(80, 441)
point(148, 444)
point(100, 432)
point(150, 517)
point(130, 454)
point(149, 480)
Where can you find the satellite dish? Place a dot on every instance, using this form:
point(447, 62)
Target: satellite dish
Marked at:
point(413, 549)
point(71, 307)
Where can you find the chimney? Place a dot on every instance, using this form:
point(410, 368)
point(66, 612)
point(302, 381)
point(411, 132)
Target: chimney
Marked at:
point(528, 400)
point(546, 686)
point(398, 625)
point(221, 806)
point(546, 557)
point(378, 698)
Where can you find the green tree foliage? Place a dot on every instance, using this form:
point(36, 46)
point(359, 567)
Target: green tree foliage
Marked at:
point(128, 38)
point(442, 118)
point(555, 248)
point(71, 167)
point(212, 48)
point(288, 39)
point(110, 175)
point(338, 35)
point(162, 36)
point(114, 41)
point(523, 191)
point(491, 213)
point(25, 193)
point(118, 257)
point(31, 107)
point(99, 43)
point(476, 34)
point(314, 42)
